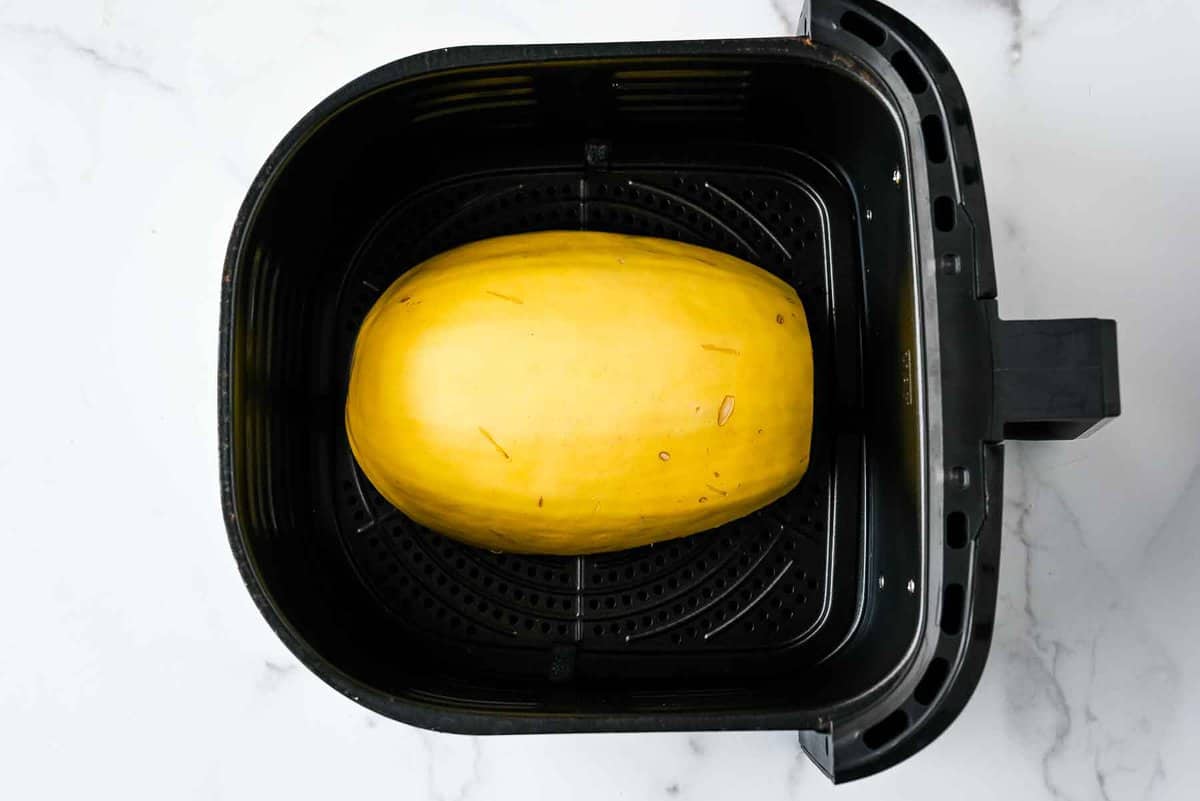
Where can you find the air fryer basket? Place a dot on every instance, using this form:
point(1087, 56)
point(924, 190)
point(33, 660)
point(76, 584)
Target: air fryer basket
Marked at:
point(857, 609)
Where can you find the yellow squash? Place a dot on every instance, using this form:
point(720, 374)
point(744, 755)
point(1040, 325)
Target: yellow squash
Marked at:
point(569, 392)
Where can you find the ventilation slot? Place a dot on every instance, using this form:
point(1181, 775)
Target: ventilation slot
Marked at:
point(943, 214)
point(864, 29)
point(491, 96)
point(673, 94)
point(914, 79)
point(956, 530)
point(935, 140)
point(885, 730)
point(931, 683)
point(952, 608)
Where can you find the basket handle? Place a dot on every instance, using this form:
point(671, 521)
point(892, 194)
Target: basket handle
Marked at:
point(1054, 379)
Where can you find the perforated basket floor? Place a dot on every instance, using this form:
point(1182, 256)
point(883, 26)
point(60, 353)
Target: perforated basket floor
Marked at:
point(759, 588)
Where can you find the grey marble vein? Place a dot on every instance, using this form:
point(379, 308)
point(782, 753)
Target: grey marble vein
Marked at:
point(274, 674)
point(102, 61)
point(460, 786)
point(1062, 656)
point(1016, 46)
point(786, 18)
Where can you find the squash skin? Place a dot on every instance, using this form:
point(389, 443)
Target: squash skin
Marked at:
point(571, 392)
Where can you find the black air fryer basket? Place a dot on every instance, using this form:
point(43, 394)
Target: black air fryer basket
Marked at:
point(856, 610)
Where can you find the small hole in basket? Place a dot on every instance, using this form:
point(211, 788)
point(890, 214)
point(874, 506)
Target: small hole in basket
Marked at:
point(970, 174)
point(885, 730)
point(956, 529)
point(932, 681)
point(943, 213)
point(864, 29)
point(935, 138)
point(909, 71)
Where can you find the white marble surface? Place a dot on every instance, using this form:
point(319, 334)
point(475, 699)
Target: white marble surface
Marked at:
point(134, 665)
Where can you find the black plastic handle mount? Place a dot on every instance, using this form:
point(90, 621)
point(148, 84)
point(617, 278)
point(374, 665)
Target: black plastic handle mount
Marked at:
point(1053, 379)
